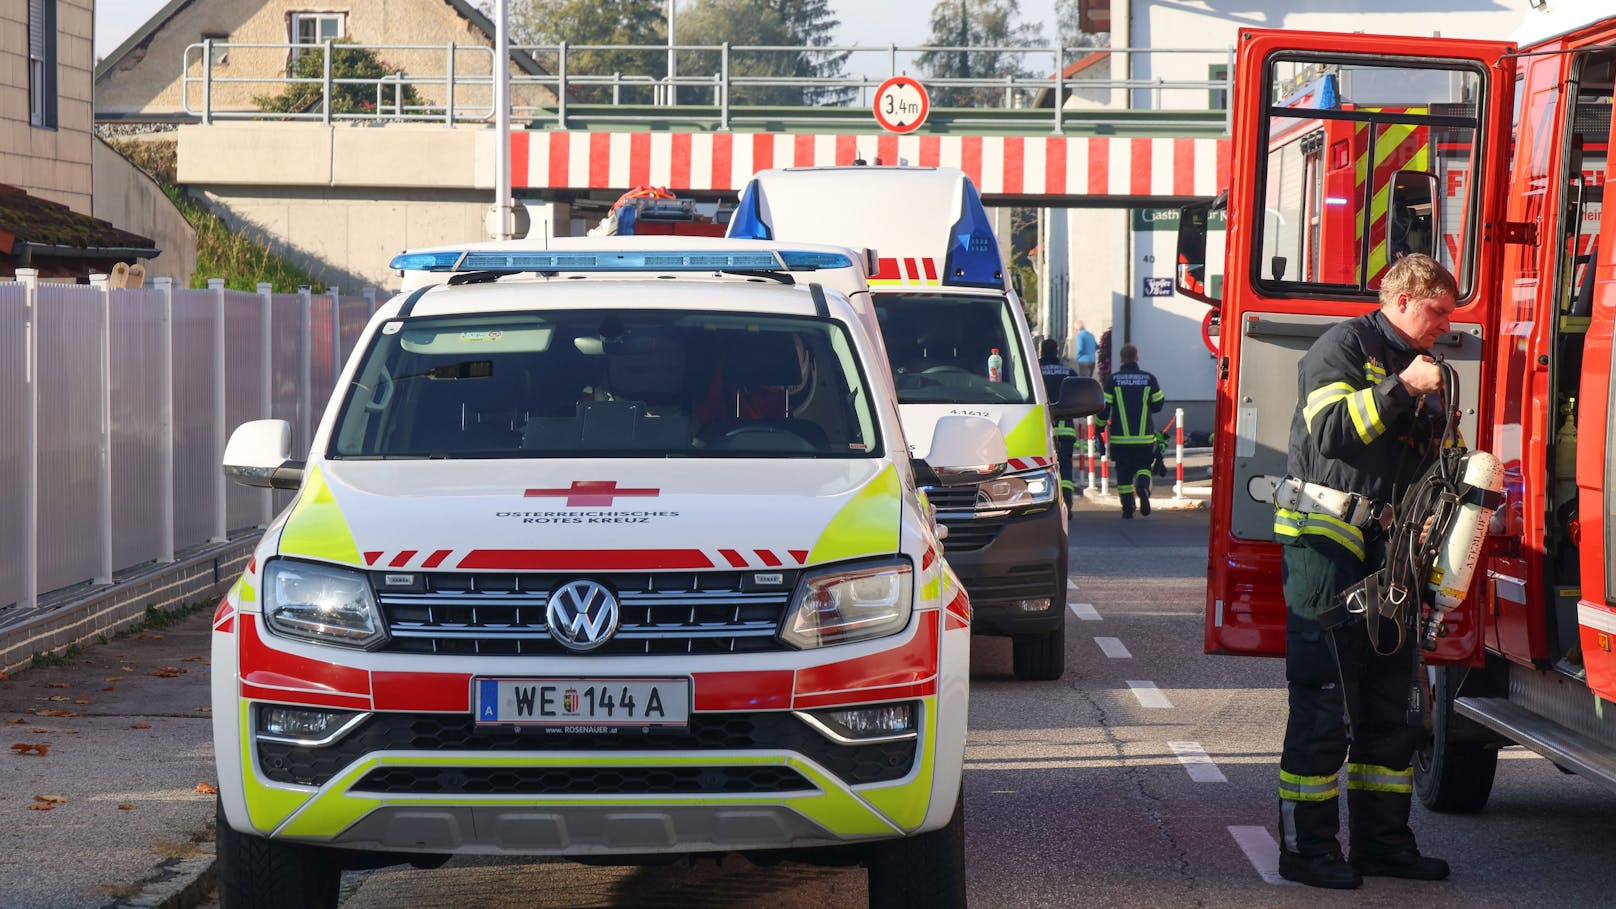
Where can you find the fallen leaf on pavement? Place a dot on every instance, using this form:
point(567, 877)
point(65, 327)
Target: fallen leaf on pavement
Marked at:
point(54, 697)
point(41, 806)
point(52, 799)
point(126, 669)
point(27, 748)
point(54, 713)
point(197, 659)
point(57, 685)
point(168, 672)
point(113, 678)
point(19, 721)
point(204, 709)
point(207, 788)
point(125, 806)
point(4, 677)
point(110, 688)
point(81, 700)
point(141, 726)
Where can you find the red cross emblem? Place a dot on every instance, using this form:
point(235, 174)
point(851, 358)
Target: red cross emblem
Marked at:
point(587, 493)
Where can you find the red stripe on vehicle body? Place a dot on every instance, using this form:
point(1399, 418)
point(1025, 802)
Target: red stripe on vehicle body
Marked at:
point(905, 664)
point(584, 559)
point(224, 611)
point(768, 557)
point(735, 559)
point(258, 663)
point(441, 691)
point(769, 690)
point(436, 558)
point(866, 696)
point(402, 559)
point(928, 559)
point(952, 622)
point(305, 698)
point(371, 557)
point(911, 270)
point(929, 266)
point(801, 555)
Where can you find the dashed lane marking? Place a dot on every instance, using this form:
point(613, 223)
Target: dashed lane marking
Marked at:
point(1113, 648)
point(1149, 695)
point(1261, 851)
point(1197, 763)
point(1086, 612)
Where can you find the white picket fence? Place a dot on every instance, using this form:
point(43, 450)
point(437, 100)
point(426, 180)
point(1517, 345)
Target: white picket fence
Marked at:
point(115, 406)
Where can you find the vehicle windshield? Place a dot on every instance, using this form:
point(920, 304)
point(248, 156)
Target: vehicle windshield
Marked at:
point(608, 383)
point(940, 346)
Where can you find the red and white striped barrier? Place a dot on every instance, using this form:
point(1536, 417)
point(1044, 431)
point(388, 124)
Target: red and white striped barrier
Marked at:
point(999, 165)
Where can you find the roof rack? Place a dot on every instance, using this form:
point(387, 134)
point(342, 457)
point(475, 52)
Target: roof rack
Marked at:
point(505, 261)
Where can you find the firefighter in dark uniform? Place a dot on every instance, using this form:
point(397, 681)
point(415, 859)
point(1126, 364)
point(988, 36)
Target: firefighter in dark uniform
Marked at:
point(1360, 434)
point(1134, 395)
point(1054, 372)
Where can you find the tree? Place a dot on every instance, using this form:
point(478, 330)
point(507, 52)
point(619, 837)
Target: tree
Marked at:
point(598, 22)
point(1070, 31)
point(347, 62)
point(810, 23)
point(741, 23)
point(980, 24)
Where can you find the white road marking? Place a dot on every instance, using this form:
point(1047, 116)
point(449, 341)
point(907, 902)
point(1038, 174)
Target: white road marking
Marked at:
point(1261, 851)
point(1113, 648)
point(1197, 763)
point(1085, 611)
point(1149, 695)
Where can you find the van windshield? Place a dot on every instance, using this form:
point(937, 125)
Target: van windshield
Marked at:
point(608, 383)
point(940, 346)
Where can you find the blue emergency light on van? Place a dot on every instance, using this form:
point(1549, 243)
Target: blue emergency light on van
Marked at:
point(514, 261)
point(747, 223)
point(972, 259)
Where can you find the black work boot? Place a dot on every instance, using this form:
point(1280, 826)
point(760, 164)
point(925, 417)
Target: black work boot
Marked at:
point(1409, 865)
point(1143, 491)
point(1330, 871)
point(1127, 505)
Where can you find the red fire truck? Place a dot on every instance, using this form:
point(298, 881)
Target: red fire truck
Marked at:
point(1351, 149)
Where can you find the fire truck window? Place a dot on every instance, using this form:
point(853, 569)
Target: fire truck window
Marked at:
point(1365, 163)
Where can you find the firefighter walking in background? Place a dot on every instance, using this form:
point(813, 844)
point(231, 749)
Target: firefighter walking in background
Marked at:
point(1134, 396)
point(1359, 436)
point(1054, 372)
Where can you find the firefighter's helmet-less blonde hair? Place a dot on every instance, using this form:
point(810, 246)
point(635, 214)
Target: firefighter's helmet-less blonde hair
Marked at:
point(1419, 276)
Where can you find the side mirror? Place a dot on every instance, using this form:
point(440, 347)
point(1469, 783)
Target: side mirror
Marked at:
point(966, 450)
point(1414, 226)
point(260, 454)
point(1199, 271)
point(1080, 396)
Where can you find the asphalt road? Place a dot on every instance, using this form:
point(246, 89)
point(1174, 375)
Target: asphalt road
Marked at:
point(1092, 791)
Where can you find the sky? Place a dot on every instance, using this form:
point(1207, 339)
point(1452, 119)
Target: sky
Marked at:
point(863, 22)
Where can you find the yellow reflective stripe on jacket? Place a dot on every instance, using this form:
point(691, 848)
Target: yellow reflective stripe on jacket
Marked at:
point(1379, 778)
point(1320, 398)
point(1374, 374)
point(1365, 412)
point(1289, 525)
point(1157, 396)
point(1296, 787)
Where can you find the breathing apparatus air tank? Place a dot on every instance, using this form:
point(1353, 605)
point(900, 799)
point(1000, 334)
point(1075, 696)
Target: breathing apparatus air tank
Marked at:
point(1459, 552)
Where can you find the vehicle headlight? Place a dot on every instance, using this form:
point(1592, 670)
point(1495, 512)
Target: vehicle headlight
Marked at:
point(850, 603)
point(321, 603)
point(1030, 489)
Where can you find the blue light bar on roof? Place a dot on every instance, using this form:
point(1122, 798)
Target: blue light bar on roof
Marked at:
point(515, 261)
point(972, 259)
point(747, 222)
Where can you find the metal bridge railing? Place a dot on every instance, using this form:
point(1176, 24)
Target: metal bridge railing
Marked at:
point(724, 85)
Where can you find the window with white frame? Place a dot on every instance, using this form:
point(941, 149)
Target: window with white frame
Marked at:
point(42, 63)
point(316, 28)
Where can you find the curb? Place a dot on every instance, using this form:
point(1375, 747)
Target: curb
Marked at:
point(179, 883)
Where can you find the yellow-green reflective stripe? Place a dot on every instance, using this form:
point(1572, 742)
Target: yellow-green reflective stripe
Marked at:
point(1299, 788)
point(1289, 523)
point(267, 805)
point(1158, 395)
point(1030, 437)
point(1132, 440)
point(932, 589)
point(866, 525)
point(1365, 415)
point(1121, 489)
point(246, 592)
point(1372, 408)
point(1068, 484)
point(1378, 778)
point(906, 803)
point(1321, 398)
point(335, 809)
point(316, 527)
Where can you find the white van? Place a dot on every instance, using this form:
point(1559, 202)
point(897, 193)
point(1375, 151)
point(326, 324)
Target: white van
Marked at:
point(958, 344)
point(604, 551)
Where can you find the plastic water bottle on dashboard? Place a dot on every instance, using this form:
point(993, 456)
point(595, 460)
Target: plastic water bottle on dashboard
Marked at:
point(995, 366)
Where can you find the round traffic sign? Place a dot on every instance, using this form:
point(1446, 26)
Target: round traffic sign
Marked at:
point(901, 105)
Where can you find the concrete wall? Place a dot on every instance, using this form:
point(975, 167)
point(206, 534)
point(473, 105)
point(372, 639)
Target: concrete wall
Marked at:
point(148, 80)
point(127, 197)
point(53, 164)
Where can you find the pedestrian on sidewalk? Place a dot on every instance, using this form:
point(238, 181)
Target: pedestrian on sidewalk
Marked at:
point(1134, 396)
point(1360, 392)
point(1084, 350)
point(1055, 372)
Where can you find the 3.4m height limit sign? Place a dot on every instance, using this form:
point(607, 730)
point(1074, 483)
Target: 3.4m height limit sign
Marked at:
point(901, 105)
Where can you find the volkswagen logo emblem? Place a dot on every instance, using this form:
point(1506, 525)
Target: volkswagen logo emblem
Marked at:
point(582, 615)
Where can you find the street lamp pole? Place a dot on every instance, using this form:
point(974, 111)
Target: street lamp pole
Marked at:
point(673, 67)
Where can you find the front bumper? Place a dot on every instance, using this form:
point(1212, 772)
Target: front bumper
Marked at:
point(1024, 560)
